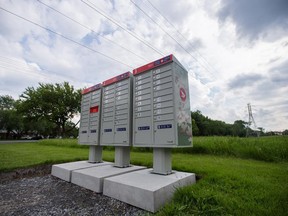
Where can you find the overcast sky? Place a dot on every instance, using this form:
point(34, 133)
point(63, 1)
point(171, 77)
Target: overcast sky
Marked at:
point(236, 52)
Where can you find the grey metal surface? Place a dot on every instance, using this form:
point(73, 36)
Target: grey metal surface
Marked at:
point(90, 117)
point(116, 122)
point(161, 103)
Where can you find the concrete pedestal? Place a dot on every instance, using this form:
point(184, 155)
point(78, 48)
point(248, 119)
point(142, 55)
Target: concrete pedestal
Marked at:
point(63, 171)
point(122, 156)
point(95, 154)
point(92, 178)
point(162, 162)
point(144, 189)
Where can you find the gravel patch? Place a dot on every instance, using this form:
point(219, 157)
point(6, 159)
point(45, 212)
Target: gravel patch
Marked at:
point(48, 195)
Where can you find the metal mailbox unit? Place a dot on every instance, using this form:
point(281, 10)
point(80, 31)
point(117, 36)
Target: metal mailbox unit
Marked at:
point(116, 121)
point(161, 117)
point(89, 131)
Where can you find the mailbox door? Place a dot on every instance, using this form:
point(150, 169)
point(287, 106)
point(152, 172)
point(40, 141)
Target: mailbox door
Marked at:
point(84, 121)
point(93, 128)
point(83, 132)
point(107, 123)
point(163, 106)
point(142, 115)
point(143, 131)
point(164, 133)
point(121, 134)
point(107, 132)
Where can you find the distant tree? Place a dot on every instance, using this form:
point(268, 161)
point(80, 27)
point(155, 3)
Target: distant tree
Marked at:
point(6, 102)
point(195, 129)
point(201, 122)
point(285, 132)
point(10, 120)
point(55, 103)
point(239, 128)
point(39, 127)
point(71, 130)
point(209, 127)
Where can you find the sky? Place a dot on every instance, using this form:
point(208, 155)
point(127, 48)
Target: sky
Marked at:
point(235, 52)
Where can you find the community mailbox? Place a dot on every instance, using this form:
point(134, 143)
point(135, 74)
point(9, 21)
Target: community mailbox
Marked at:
point(117, 107)
point(161, 116)
point(90, 116)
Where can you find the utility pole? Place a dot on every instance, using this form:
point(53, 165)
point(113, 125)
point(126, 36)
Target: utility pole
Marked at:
point(250, 121)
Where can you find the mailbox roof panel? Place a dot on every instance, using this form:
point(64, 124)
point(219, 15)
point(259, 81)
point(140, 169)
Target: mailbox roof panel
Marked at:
point(117, 78)
point(153, 64)
point(92, 88)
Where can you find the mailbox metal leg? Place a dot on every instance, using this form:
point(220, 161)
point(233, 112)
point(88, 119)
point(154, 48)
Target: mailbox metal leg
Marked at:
point(122, 156)
point(162, 161)
point(95, 154)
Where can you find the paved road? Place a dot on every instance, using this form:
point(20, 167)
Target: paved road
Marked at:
point(17, 141)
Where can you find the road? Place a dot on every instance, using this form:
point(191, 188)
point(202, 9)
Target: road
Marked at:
point(17, 141)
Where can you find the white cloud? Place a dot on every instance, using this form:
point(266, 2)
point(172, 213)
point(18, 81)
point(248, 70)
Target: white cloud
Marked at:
point(226, 59)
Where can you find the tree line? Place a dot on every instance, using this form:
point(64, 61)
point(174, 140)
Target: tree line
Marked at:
point(48, 110)
point(204, 126)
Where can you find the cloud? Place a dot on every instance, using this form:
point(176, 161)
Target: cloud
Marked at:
point(279, 74)
point(217, 66)
point(244, 80)
point(256, 18)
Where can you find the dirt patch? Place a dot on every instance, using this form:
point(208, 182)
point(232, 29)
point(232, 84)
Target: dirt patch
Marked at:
point(40, 170)
point(34, 191)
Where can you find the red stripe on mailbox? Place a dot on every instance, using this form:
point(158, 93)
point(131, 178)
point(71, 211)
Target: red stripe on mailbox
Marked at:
point(92, 88)
point(153, 64)
point(117, 78)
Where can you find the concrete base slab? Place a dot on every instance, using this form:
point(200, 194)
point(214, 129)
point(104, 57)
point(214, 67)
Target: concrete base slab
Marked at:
point(63, 171)
point(146, 190)
point(92, 178)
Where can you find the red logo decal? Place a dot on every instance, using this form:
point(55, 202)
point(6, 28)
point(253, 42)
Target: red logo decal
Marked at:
point(182, 94)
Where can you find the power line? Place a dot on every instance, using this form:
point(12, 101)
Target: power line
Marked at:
point(67, 38)
point(10, 66)
point(20, 66)
point(162, 29)
point(24, 68)
point(92, 6)
point(179, 33)
point(86, 27)
point(9, 63)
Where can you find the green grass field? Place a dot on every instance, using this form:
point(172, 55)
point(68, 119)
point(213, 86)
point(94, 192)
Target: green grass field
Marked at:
point(238, 176)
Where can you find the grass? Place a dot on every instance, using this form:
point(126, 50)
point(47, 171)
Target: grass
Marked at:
point(230, 187)
point(29, 154)
point(230, 183)
point(270, 149)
